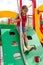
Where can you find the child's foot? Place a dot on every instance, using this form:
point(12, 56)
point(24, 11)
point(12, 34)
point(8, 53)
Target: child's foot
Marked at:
point(34, 47)
point(28, 47)
point(25, 49)
point(31, 48)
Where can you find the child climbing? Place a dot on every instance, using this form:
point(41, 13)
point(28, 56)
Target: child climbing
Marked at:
point(24, 11)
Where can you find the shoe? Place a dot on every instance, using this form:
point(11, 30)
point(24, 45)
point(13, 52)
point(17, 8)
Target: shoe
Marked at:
point(31, 48)
point(34, 47)
point(25, 49)
point(28, 47)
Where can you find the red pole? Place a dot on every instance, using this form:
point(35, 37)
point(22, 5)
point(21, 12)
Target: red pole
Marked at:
point(34, 6)
point(20, 4)
point(8, 20)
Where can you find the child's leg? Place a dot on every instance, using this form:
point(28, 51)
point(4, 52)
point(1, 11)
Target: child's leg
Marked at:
point(18, 29)
point(27, 44)
point(24, 35)
point(24, 47)
point(26, 40)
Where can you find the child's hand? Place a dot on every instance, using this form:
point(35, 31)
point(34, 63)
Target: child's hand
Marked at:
point(12, 22)
point(16, 20)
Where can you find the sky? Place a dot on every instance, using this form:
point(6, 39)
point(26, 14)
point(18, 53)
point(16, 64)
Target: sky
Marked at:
point(11, 5)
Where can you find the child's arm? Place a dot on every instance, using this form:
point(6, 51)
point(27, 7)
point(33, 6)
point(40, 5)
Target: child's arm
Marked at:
point(17, 19)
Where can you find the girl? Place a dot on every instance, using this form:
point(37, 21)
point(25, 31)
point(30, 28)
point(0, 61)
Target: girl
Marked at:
point(24, 19)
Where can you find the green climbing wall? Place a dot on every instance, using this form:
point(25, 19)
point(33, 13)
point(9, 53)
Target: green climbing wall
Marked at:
point(6, 26)
point(39, 49)
point(11, 52)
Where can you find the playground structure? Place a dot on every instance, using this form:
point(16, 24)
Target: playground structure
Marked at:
point(38, 18)
point(11, 39)
point(35, 17)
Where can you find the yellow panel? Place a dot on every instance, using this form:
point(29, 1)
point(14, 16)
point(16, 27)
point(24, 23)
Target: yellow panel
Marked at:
point(8, 14)
point(37, 17)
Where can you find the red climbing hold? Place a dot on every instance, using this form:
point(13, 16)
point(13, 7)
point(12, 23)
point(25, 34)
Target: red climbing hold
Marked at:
point(37, 59)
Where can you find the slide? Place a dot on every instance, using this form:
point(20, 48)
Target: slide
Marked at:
point(11, 47)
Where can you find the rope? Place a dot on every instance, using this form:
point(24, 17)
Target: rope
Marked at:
point(21, 38)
